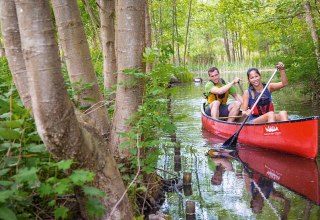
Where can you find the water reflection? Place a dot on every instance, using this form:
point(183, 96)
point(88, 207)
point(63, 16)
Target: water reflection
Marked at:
point(228, 196)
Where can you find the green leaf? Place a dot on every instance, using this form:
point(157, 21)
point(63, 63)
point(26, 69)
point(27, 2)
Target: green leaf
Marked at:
point(44, 189)
point(63, 186)
point(6, 194)
point(92, 191)
point(27, 175)
point(6, 183)
point(4, 171)
point(36, 148)
point(61, 212)
point(95, 208)
point(52, 203)
point(6, 115)
point(64, 164)
point(80, 177)
point(8, 145)
point(12, 124)
point(7, 214)
point(9, 134)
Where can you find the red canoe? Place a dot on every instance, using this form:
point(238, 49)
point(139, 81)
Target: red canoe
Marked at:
point(298, 174)
point(298, 137)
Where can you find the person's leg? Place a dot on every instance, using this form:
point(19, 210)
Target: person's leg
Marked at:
point(282, 116)
point(234, 109)
point(215, 109)
point(208, 111)
point(268, 117)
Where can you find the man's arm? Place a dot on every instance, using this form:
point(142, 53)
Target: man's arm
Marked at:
point(225, 88)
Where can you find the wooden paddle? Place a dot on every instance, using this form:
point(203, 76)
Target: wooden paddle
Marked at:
point(232, 141)
point(235, 116)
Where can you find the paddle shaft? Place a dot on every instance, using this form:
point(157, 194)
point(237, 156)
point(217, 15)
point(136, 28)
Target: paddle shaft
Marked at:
point(251, 109)
point(240, 86)
point(235, 116)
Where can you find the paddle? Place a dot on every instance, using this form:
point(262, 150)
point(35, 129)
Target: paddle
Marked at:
point(232, 141)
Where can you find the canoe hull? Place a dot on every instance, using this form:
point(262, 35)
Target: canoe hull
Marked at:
point(298, 137)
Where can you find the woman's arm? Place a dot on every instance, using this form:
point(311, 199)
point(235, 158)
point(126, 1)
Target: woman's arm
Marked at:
point(284, 81)
point(245, 102)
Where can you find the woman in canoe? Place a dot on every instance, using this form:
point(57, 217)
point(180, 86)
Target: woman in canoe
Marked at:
point(264, 110)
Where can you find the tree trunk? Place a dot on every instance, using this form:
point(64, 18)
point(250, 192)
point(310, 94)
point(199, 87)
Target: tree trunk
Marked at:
point(11, 37)
point(173, 30)
point(153, 21)
point(226, 42)
point(78, 59)
point(107, 16)
point(130, 33)
point(313, 30)
point(177, 34)
point(187, 33)
point(54, 114)
point(233, 47)
point(148, 34)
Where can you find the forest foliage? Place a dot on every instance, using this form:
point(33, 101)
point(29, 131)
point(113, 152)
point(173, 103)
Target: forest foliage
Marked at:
point(219, 33)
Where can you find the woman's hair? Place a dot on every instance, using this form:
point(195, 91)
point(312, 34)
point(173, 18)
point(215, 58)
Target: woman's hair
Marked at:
point(212, 69)
point(249, 71)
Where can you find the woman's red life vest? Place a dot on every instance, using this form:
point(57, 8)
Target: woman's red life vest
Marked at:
point(265, 103)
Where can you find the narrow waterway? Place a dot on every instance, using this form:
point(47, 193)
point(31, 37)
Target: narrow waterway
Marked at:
point(226, 188)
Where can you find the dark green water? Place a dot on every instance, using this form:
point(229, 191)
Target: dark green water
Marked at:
point(231, 198)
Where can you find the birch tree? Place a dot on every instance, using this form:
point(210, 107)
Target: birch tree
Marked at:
point(11, 37)
point(130, 44)
point(65, 135)
point(78, 59)
point(107, 17)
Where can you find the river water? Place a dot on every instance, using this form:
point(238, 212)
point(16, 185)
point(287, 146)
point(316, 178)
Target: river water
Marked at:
point(226, 188)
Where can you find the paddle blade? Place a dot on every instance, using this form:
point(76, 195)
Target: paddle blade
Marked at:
point(231, 142)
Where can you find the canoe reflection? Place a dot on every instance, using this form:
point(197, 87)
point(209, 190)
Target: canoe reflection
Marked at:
point(264, 167)
point(298, 174)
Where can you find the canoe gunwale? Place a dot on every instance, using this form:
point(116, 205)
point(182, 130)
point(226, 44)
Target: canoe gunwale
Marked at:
point(259, 124)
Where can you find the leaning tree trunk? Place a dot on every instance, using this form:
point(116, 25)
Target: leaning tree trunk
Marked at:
point(107, 16)
point(78, 59)
point(54, 114)
point(313, 30)
point(11, 37)
point(130, 33)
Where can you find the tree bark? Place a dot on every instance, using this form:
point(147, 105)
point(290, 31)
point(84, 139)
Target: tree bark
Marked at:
point(153, 21)
point(107, 16)
point(78, 59)
point(130, 44)
point(11, 37)
point(226, 42)
point(177, 35)
point(187, 33)
point(148, 34)
point(173, 31)
point(313, 30)
point(54, 114)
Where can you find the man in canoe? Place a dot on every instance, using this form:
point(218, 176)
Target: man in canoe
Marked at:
point(264, 110)
point(218, 91)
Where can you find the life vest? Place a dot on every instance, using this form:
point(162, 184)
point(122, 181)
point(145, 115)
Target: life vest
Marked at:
point(265, 103)
point(223, 98)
